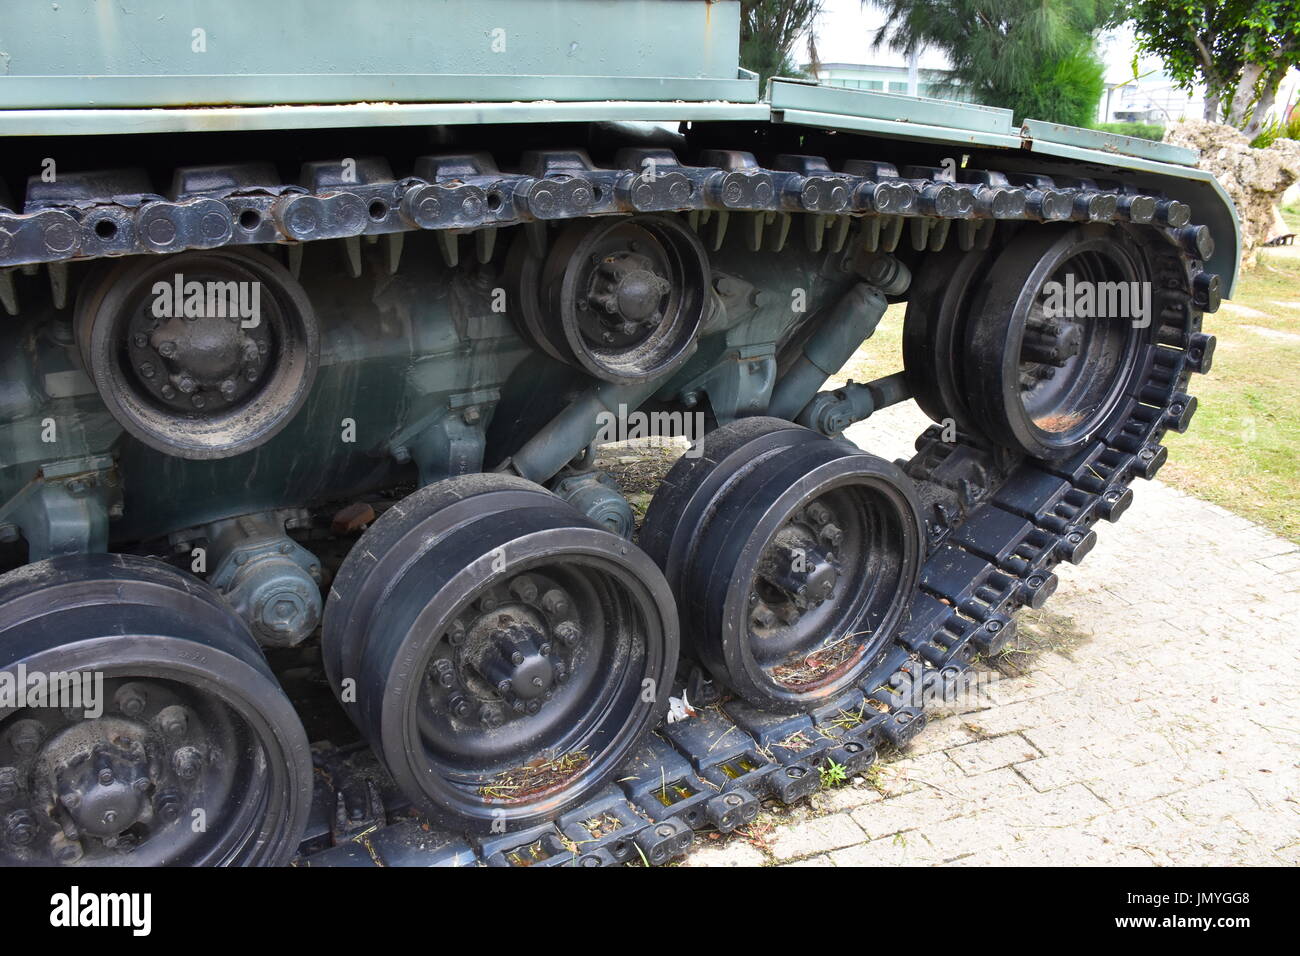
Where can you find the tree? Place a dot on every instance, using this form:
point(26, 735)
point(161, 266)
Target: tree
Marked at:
point(768, 32)
point(1034, 57)
point(1240, 50)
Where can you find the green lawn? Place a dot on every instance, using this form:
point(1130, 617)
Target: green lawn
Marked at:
point(1243, 448)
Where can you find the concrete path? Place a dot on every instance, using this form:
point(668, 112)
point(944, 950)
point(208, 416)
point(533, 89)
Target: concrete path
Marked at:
point(1151, 717)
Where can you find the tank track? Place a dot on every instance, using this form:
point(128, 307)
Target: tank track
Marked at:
point(998, 523)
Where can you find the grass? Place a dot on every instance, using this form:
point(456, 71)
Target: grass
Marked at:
point(1243, 449)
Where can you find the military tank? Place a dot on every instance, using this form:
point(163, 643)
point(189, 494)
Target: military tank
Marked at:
point(317, 315)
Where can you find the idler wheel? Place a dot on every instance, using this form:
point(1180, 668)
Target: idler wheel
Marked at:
point(1056, 335)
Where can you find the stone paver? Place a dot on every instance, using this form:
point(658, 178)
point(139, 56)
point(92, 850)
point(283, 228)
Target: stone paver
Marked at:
point(1165, 731)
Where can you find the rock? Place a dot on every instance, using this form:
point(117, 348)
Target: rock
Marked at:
point(1254, 178)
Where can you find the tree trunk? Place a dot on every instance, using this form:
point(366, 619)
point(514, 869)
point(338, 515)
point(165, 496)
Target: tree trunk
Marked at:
point(1244, 95)
point(1266, 98)
point(1211, 108)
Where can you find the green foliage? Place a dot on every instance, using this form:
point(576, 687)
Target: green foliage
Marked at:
point(1153, 131)
point(768, 32)
point(833, 774)
point(1273, 130)
point(1240, 50)
point(1034, 57)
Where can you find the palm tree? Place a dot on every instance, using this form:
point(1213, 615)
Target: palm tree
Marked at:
point(1034, 57)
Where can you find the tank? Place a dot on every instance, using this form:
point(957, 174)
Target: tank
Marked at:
point(317, 316)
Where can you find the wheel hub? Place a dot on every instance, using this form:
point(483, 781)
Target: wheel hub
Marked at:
point(104, 790)
point(630, 292)
point(510, 653)
point(198, 362)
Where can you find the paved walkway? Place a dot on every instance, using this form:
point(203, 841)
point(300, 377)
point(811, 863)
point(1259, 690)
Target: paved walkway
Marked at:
point(1153, 717)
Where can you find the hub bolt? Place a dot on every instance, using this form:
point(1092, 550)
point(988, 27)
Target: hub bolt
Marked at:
point(20, 827)
point(174, 721)
point(458, 705)
point(167, 804)
point(8, 783)
point(167, 349)
point(131, 700)
point(555, 603)
point(831, 535)
point(26, 737)
point(524, 589)
point(65, 851)
point(445, 671)
point(187, 762)
point(568, 632)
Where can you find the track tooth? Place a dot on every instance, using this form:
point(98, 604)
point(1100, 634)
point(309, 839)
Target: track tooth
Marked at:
point(840, 233)
point(393, 243)
point(448, 247)
point(939, 234)
point(754, 223)
point(8, 294)
point(720, 219)
point(352, 251)
point(536, 233)
point(295, 251)
point(59, 283)
point(967, 230)
point(814, 227)
point(870, 233)
point(778, 235)
point(485, 243)
point(891, 232)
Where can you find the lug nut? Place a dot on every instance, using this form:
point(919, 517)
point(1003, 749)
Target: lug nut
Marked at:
point(174, 721)
point(458, 705)
point(64, 850)
point(20, 827)
point(187, 762)
point(568, 632)
point(524, 589)
point(8, 783)
point(445, 670)
point(131, 700)
point(831, 535)
point(26, 737)
point(555, 603)
point(167, 349)
point(167, 804)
